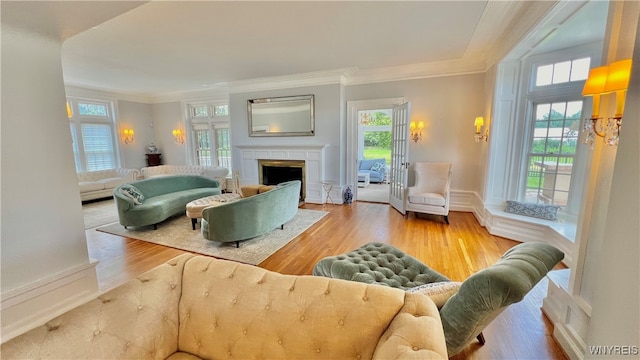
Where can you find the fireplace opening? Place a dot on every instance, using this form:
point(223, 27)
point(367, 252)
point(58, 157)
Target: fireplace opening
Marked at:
point(274, 172)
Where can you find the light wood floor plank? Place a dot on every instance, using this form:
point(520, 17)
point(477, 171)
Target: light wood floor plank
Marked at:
point(457, 250)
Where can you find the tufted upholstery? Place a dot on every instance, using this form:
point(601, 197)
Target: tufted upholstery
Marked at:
point(377, 263)
point(99, 184)
point(213, 172)
point(200, 307)
point(481, 297)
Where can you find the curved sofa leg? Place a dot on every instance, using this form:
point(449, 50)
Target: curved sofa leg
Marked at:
point(237, 244)
point(155, 226)
point(406, 215)
point(125, 227)
point(282, 227)
point(446, 219)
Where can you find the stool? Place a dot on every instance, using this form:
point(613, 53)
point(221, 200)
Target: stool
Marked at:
point(327, 186)
point(195, 207)
point(377, 263)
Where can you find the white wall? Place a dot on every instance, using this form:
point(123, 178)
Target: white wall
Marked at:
point(615, 290)
point(136, 116)
point(42, 226)
point(166, 117)
point(327, 124)
point(448, 106)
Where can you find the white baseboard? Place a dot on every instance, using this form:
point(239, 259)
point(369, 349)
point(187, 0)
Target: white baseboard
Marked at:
point(25, 308)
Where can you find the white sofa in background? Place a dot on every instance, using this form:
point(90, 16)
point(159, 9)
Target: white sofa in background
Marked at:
point(213, 172)
point(100, 184)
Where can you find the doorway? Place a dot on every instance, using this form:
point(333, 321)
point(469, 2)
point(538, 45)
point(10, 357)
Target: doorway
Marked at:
point(374, 155)
point(356, 133)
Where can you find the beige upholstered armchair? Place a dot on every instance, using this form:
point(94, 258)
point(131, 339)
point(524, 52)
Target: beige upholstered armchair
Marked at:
point(430, 194)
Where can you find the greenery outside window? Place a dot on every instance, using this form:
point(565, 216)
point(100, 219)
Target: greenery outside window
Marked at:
point(375, 134)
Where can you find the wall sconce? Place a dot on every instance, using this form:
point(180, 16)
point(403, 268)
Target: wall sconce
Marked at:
point(601, 81)
point(416, 130)
point(69, 111)
point(127, 136)
point(479, 123)
point(177, 134)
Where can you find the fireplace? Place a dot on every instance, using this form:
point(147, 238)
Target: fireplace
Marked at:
point(273, 172)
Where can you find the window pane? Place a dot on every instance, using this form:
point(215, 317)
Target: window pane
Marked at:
point(223, 148)
point(98, 146)
point(203, 147)
point(220, 110)
point(543, 75)
point(200, 111)
point(542, 111)
point(580, 69)
point(92, 109)
point(549, 175)
point(561, 72)
point(574, 109)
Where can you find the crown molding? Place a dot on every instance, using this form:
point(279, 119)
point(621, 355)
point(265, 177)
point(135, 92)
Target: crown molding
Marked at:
point(343, 76)
point(417, 71)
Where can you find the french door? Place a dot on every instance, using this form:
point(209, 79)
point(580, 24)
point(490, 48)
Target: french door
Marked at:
point(399, 155)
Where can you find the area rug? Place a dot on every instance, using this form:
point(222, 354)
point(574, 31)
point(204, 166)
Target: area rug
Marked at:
point(98, 213)
point(176, 232)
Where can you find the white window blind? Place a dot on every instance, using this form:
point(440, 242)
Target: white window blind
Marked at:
point(98, 146)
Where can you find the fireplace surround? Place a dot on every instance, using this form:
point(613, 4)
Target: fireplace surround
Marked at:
point(313, 156)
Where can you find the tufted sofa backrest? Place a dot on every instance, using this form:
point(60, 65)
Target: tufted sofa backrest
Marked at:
point(96, 175)
point(137, 320)
point(231, 310)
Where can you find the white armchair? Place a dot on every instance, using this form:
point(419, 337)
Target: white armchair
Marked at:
point(430, 194)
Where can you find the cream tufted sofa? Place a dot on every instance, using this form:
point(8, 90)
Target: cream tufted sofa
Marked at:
point(199, 307)
point(214, 172)
point(100, 184)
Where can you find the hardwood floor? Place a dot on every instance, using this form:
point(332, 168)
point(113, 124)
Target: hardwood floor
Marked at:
point(456, 250)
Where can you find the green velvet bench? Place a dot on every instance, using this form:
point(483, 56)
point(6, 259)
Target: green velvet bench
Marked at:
point(464, 312)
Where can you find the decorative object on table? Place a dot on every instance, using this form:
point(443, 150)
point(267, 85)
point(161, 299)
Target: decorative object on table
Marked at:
point(347, 196)
point(152, 149)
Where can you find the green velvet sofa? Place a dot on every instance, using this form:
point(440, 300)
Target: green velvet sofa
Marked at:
point(252, 216)
point(160, 198)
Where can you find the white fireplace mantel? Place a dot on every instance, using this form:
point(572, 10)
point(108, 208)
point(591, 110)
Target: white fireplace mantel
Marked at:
point(313, 156)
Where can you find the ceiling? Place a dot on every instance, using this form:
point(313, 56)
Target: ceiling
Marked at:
point(168, 47)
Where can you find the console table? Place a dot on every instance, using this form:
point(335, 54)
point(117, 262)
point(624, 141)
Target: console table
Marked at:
point(154, 159)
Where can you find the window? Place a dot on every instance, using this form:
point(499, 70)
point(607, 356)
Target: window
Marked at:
point(551, 155)
point(563, 72)
point(211, 135)
point(552, 166)
point(93, 134)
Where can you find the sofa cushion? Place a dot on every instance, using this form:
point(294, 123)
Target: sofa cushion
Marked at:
point(379, 167)
point(541, 211)
point(427, 199)
point(133, 193)
point(439, 292)
point(86, 186)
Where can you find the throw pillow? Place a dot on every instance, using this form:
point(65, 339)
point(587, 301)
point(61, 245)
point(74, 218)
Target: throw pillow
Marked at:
point(132, 193)
point(439, 292)
point(379, 167)
point(541, 211)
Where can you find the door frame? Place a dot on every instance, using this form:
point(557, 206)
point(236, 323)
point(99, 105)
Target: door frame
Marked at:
point(353, 107)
